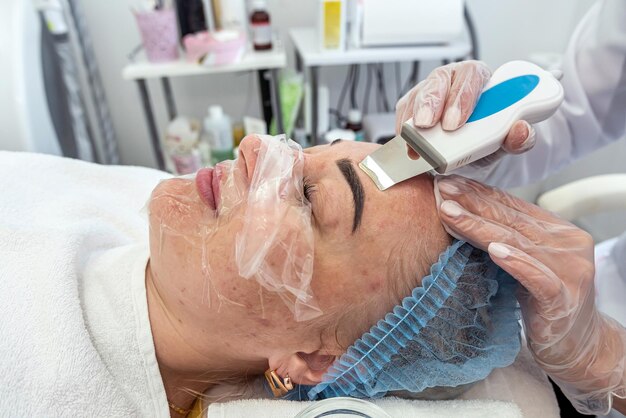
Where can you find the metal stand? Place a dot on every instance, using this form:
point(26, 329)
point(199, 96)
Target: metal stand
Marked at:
point(314, 105)
point(169, 98)
point(269, 87)
point(266, 96)
point(154, 135)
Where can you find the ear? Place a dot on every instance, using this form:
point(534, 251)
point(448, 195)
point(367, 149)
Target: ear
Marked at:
point(303, 368)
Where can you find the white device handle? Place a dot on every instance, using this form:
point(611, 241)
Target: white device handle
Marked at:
point(517, 90)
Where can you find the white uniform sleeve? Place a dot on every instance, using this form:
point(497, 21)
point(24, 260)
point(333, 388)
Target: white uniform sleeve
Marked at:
point(593, 113)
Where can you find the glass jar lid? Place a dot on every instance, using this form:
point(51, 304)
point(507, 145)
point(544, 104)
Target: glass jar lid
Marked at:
point(343, 407)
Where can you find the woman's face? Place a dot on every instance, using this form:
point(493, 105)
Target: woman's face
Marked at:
point(341, 241)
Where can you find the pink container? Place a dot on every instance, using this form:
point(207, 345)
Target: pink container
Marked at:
point(159, 34)
point(215, 48)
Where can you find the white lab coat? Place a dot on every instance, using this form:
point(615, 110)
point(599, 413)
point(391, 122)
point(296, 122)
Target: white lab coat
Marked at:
point(592, 115)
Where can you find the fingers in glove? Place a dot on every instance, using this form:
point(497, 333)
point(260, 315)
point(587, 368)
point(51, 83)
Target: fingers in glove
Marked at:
point(515, 253)
point(404, 108)
point(541, 282)
point(539, 231)
point(480, 231)
point(431, 97)
point(520, 138)
point(468, 80)
point(458, 187)
point(480, 220)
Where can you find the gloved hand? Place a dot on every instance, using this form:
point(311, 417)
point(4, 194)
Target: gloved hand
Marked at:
point(582, 350)
point(449, 95)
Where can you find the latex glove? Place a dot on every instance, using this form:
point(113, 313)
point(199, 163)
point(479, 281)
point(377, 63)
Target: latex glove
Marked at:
point(582, 350)
point(449, 95)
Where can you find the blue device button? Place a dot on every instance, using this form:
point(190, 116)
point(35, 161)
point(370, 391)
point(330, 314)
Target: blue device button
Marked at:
point(503, 95)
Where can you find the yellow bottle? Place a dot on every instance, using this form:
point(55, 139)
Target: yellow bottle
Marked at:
point(332, 24)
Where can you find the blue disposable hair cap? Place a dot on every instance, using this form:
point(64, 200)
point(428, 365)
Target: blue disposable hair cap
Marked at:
point(453, 330)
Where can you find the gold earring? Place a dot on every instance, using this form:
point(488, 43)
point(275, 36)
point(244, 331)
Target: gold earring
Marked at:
point(276, 384)
point(288, 383)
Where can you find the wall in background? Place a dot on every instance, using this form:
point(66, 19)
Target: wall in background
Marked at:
point(513, 29)
point(504, 30)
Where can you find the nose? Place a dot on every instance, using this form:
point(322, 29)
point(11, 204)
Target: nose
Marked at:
point(249, 151)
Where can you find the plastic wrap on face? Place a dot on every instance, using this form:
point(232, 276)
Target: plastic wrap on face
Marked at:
point(275, 246)
point(246, 220)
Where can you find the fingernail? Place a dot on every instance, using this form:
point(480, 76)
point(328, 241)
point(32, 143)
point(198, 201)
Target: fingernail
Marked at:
point(498, 250)
point(447, 187)
point(424, 116)
point(529, 142)
point(451, 208)
point(452, 119)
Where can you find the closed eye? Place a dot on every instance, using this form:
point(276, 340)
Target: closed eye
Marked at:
point(308, 189)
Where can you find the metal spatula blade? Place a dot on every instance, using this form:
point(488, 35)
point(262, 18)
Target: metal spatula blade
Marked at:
point(390, 164)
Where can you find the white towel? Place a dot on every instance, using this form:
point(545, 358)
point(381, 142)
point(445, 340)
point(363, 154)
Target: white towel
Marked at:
point(520, 387)
point(74, 333)
point(395, 407)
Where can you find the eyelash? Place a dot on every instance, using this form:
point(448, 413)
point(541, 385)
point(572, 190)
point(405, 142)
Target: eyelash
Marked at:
point(307, 189)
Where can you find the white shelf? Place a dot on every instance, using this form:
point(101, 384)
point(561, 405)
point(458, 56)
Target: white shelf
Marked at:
point(306, 42)
point(252, 60)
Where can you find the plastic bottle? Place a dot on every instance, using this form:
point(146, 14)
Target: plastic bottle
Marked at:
point(182, 145)
point(261, 26)
point(355, 124)
point(332, 24)
point(191, 17)
point(219, 134)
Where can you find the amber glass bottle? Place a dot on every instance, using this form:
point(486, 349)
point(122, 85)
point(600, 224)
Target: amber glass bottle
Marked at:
point(261, 26)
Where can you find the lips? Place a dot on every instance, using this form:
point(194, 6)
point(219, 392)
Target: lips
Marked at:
point(208, 185)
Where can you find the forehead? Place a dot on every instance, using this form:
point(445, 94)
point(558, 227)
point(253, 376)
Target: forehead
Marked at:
point(344, 149)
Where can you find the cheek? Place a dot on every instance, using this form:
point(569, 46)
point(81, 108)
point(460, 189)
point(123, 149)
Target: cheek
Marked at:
point(277, 248)
point(246, 264)
point(343, 279)
point(190, 247)
point(287, 237)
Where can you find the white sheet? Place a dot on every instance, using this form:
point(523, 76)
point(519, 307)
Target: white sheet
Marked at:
point(75, 337)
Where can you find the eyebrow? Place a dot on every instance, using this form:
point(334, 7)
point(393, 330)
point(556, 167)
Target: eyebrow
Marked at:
point(347, 169)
